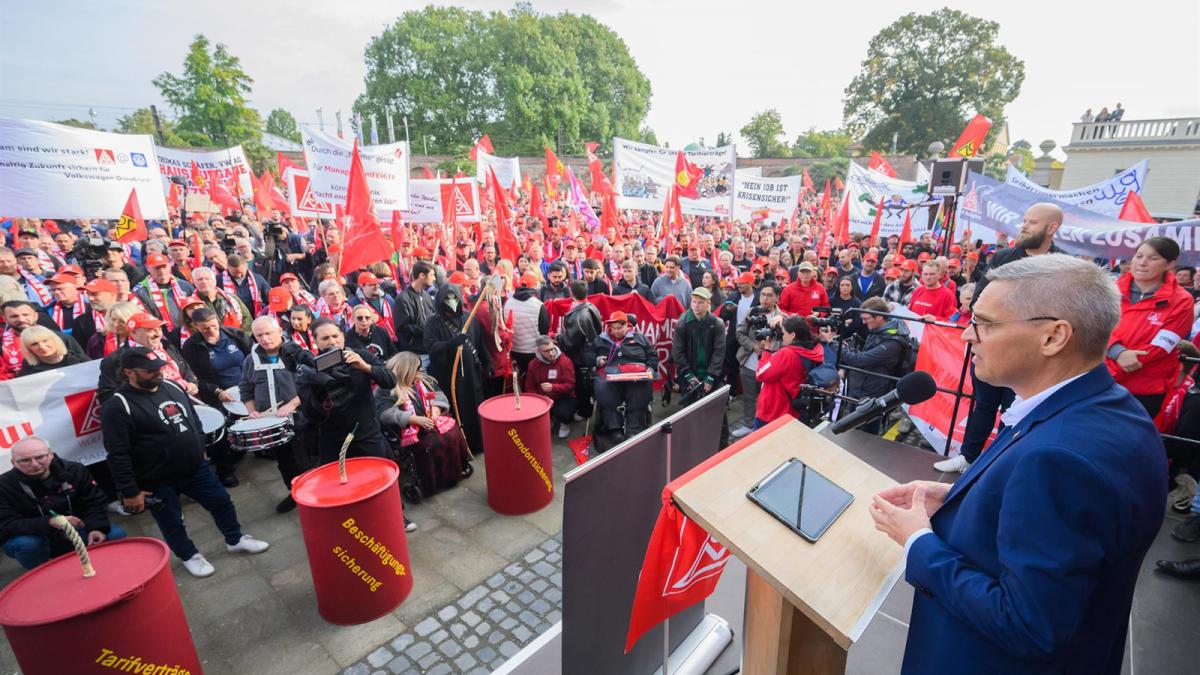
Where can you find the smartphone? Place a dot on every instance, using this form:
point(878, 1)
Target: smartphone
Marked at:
point(329, 359)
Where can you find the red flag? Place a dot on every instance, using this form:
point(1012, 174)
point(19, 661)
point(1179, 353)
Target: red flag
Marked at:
point(283, 164)
point(173, 196)
point(484, 144)
point(824, 206)
point(875, 225)
point(1135, 209)
point(536, 209)
point(600, 182)
point(221, 196)
point(554, 172)
point(130, 227)
point(363, 242)
point(506, 239)
point(278, 201)
point(196, 177)
point(687, 178)
point(841, 224)
point(808, 184)
point(579, 448)
point(838, 184)
point(970, 142)
point(589, 149)
point(906, 231)
point(880, 164)
point(427, 173)
point(262, 195)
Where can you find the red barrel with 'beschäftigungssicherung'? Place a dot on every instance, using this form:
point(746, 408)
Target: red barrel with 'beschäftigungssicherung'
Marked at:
point(354, 533)
point(517, 453)
point(126, 618)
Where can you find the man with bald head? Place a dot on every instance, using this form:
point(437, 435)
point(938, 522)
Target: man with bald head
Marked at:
point(1036, 237)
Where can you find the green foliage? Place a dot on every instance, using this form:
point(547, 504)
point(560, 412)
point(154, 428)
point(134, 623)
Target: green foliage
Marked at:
point(995, 166)
point(522, 77)
point(72, 122)
point(827, 170)
point(1021, 156)
point(646, 135)
point(764, 133)
point(813, 143)
point(141, 121)
point(209, 97)
point(925, 76)
point(281, 123)
point(723, 139)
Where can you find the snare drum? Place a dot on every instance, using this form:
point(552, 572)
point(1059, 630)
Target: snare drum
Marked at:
point(260, 433)
point(212, 423)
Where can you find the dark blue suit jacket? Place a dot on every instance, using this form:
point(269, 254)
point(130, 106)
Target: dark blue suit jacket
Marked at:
point(1036, 550)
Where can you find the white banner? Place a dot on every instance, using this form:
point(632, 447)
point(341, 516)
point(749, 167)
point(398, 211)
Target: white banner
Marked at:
point(328, 161)
point(866, 187)
point(58, 405)
point(218, 165)
point(508, 169)
point(301, 199)
point(1105, 197)
point(770, 199)
point(54, 171)
point(426, 199)
point(642, 174)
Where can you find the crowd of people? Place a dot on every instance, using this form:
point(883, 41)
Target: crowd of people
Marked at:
point(215, 321)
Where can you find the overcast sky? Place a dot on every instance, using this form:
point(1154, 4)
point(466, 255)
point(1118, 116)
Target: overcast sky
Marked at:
point(711, 65)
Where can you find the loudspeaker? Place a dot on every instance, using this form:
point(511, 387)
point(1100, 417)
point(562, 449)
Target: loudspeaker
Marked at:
point(949, 176)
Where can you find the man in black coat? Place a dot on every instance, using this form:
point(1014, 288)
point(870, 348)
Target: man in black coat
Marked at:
point(414, 306)
point(39, 483)
point(445, 338)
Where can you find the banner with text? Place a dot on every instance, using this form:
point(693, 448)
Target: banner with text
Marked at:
point(301, 200)
point(1107, 196)
point(328, 161)
point(941, 355)
point(58, 405)
point(866, 187)
point(55, 171)
point(769, 199)
point(642, 173)
point(990, 204)
point(221, 166)
point(427, 199)
point(508, 169)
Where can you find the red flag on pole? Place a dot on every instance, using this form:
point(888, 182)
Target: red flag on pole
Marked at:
point(262, 196)
point(880, 164)
point(554, 172)
point(970, 141)
point(841, 224)
point(906, 231)
point(196, 177)
point(536, 209)
point(506, 239)
point(687, 178)
point(427, 173)
point(807, 185)
point(878, 221)
point(484, 144)
point(363, 242)
point(824, 205)
point(838, 184)
point(1135, 209)
point(221, 196)
point(283, 164)
point(130, 227)
point(173, 196)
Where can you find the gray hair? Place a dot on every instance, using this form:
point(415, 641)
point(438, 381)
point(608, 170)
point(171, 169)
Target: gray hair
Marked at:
point(324, 286)
point(1062, 286)
point(204, 271)
point(543, 340)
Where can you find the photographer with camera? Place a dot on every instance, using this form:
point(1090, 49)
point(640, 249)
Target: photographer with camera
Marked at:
point(780, 373)
point(284, 252)
point(698, 348)
point(761, 331)
point(336, 397)
point(884, 350)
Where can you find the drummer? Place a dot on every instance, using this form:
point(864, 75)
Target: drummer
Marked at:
point(215, 354)
point(268, 387)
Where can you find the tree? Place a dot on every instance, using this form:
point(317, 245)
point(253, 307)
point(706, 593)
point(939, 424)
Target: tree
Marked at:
point(764, 132)
point(209, 97)
point(823, 144)
point(925, 75)
point(723, 139)
point(72, 122)
point(826, 170)
point(141, 121)
point(281, 123)
point(523, 78)
point(646, 135)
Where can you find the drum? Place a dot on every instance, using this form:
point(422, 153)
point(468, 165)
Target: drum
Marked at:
point(212, 423)
point(235, 408)
point(254, 434)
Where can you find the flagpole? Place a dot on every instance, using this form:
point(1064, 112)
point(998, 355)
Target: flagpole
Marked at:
point(391, 128)
point(666, 667)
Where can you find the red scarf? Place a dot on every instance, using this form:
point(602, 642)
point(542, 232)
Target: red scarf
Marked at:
point(1168, 416)
point(11, 349)
point(443, 423)
point(170, 371)
point(158, 297)
point(77, 310)
point(110, 343)
point(231, 289)
point(305, 340)
point(39, 289)
point(303, 297)
point(232, 318)
point(384, 318)
point(99, 320)
point(342, 316)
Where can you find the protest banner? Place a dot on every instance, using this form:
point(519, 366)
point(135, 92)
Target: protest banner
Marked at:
point(508, 169)
point(655, 321)
point(55, 171)
point(773, 198)
point(990, 204)
point(59, 406)
point(426, 200)
point(867, 187)
point(215, 166)
point(1107, 196)
point(301, 200)
point(941, 355)
point(328, 161)
point(642, 173)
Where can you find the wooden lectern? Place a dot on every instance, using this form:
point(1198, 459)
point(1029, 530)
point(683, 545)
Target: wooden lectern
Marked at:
point(805, 603)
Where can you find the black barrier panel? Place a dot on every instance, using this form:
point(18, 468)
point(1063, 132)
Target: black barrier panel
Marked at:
point(610, 506)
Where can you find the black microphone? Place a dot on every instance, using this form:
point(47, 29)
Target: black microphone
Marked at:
point(913, 388)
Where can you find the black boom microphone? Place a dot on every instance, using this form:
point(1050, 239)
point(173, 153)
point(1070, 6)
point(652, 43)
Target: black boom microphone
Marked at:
point(911, 389)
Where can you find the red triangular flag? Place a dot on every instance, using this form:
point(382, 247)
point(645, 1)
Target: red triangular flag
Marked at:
point(1135, 209)
point(841, 224)
point(508, 246)
point(484, 144)
point(196, 177)
point(880, 164)
point(808, 184)
point(554, 172)
point(130, 226)
point(262, 196)
point(363, 242)
point(687, 177)
point(221, 196)
point(536, 209)
point(278, 201)
point(173, 196)
point(838, 184)
point(970, 142)
point(906, 231)
point(579, 448)
point(283, 164)
point(875, 225)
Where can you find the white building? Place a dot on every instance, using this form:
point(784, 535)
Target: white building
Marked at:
point(1098, 150)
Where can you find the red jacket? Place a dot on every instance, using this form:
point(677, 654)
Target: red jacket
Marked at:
point(781, 374)
point(560, 375)
point(939, 301)
point(1155, 325)
point(800, 299)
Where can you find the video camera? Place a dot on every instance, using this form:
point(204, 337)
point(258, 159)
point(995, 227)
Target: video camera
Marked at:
point(759, 322)
point(91, 253)
point(834, 320)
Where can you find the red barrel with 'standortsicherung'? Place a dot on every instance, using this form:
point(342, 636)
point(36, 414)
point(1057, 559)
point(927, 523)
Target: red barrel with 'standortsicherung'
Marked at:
point(354, 533)
point(126, 618)
point(517, 453)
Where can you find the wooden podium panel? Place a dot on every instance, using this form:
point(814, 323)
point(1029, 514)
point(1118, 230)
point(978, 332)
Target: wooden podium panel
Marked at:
point(837, 583)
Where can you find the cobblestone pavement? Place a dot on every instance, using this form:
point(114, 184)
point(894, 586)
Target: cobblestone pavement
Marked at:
point(483, 628)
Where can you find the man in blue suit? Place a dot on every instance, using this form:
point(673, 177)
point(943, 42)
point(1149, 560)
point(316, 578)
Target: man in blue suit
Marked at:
point(1028, 563)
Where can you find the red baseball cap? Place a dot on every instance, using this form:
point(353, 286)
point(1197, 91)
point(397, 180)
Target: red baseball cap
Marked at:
point(954, 262)
point(279, 299)
point(956, 249)
point(746, 278)
point(892, 273)
point(924, 257)
point(617, 317)
point(100, 286)
point(143, 320)
point(63, 278)
point(157, 260)
point(871, 256)
point(972, 256)
point(72, 269)
point(288, 276)
point(177, 242)
point(831, 270)
point(527, 281)
point(367, 279)
point(460, 278)
point(421, 252)
point(910, 265)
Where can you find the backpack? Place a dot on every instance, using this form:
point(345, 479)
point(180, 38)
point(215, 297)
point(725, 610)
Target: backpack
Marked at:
point(578, 330)
point(908, 356)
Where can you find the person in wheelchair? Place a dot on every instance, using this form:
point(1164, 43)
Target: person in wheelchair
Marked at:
point(621, 351)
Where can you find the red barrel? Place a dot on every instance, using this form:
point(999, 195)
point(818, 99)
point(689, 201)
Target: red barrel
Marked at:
point(126, 618)
point(516, 452)
point(354, 533)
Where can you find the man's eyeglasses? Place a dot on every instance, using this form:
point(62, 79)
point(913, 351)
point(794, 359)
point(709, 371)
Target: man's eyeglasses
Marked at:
point(978, 326)
point(26, 461)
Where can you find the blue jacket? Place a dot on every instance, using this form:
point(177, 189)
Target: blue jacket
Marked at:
point(1035, 552)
